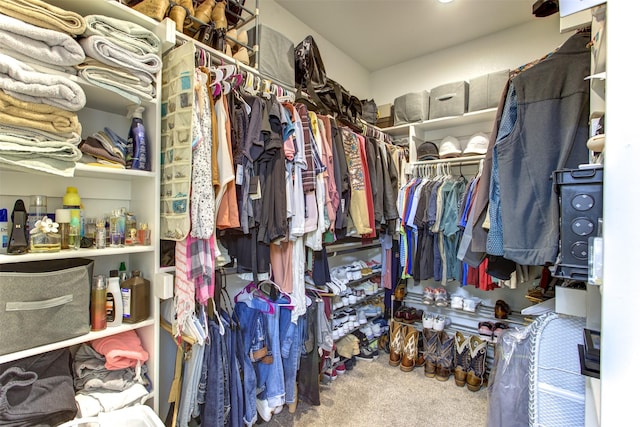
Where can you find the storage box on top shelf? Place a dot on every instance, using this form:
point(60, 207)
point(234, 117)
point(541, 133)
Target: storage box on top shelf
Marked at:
point(411, 107)
point(276, 58)
point(385, 116)
point(485, 91)
point(448, 100)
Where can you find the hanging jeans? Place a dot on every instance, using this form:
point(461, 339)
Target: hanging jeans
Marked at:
point(233, 340)
point(290, 338)
point(216, 403)
point(308, 385)
point(253, 340)
point(271, 376)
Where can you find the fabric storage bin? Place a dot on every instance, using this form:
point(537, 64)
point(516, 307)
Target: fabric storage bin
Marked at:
point(42, 302)
point(449, 100)
point(485, 91)
point(411, 107)
point(276, 59)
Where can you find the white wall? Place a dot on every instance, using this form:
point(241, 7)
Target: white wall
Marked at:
point(338, 65)
point(506, 49)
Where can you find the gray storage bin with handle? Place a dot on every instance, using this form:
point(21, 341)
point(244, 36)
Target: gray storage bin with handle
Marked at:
point(42, 302)
point(411, 108)
point(449, 100)
point(276, 58)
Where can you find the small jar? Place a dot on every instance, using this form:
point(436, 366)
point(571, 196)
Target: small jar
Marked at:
point(44, 242)
point(101, 235)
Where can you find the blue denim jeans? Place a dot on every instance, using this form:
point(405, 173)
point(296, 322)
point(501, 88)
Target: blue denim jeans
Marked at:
point(190, 379)
point(249, 318)
point(213, 409)
point(290, 339)
point(271, 376)
point(234, 346)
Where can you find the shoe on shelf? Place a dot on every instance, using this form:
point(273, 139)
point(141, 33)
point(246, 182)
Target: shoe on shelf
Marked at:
point(470, 304)
point(440, 297)
point(499, 328)
point(486, 329)
point(427, 320)
point(502, 310)
point(428, 296)
point(439, 323)
point(457, 301)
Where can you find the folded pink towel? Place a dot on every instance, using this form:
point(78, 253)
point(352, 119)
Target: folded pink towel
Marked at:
point(121, 351)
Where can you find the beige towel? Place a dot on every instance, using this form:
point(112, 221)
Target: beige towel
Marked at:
point(15, 112)
point(44, 15)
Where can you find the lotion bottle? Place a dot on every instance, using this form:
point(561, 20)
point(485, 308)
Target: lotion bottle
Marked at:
point(114, 300)
point(137, 141)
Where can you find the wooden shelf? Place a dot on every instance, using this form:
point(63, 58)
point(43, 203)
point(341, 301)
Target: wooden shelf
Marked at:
point(443, 122)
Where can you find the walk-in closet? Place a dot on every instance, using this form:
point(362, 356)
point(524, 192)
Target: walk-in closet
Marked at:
point(317, 213)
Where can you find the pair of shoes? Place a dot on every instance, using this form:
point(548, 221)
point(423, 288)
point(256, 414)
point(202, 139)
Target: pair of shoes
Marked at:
point(491, 330)
point(408, 314)
point(469, 361)
point(367, 354)
point(396, 343)
point(438, 354)
point(440, 297)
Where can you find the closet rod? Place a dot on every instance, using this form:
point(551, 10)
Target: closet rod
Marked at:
point(462, 161)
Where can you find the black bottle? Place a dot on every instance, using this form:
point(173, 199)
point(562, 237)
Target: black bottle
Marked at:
point(18, 242)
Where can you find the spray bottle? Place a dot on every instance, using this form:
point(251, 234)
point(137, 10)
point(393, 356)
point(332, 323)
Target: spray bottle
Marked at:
point(137, 141)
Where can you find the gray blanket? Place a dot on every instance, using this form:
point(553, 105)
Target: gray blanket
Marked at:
point(48, 46)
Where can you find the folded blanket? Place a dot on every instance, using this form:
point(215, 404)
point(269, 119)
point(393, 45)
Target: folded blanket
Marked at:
point(14, 112)
point(45, 45)
point(105, 51)
point(20, 134)
point(42, 14)
point(57, 158)
point(23, 82)
point(125, 34)
point(112, 142)
point(129, 84)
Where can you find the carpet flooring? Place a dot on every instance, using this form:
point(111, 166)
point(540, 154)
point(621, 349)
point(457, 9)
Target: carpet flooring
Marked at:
point(377, 394)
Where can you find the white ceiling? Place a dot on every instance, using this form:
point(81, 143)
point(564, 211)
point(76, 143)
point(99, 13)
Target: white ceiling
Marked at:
point(380, 33)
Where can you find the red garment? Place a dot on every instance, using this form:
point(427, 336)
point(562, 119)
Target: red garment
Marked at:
point(367, 187)
point(486, 281)
point(121, 351)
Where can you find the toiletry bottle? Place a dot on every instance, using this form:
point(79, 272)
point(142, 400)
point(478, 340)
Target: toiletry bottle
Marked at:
point(63, 217)
point(135, 298)
point(137, 141)
point(122, 272)
point(101, 235)
point(114, 300)
point(18, 238)
point(4, 230)
point(72, 202)
point(37, 209)
point(98, 307)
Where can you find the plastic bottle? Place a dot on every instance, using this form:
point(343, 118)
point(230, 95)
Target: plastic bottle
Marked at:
point(122, 272)
point(135, 298)
point(137, 141)
point(99, 303)
point(4, 230)
point(37, 209)
point(71, 201)
point(114, 300)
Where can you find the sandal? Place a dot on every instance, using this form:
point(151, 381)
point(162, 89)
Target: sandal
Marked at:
point(441, 297)
point(499, 328)
point(428, 296)
point(486, 328)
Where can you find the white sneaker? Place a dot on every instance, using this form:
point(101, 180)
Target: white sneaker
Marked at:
point(427, 320)
point(377, 331)
point(457, 301)
point(353, 299)
point(438, 323)
point(264, 410)
point(362, 317)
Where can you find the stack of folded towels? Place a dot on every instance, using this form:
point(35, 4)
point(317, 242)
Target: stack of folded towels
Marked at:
point(121, 56)
point(39, 127)
point(104, 148)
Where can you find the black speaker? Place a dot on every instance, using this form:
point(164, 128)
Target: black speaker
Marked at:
point(580, 195)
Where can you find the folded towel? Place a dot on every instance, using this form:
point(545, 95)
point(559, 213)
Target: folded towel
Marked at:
point(42, 14)
point(113, 142)
point(129, 84)
point(15, 112)
point(20, 134)
point(93, 147)
point(23, 82)
point(43, 67)
point(44, 45)
point(125, 34)
point(123, 350)
point(105, 51)
point(53, 157)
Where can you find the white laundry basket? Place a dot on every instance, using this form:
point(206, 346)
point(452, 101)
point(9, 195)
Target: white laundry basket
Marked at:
point(133, 416)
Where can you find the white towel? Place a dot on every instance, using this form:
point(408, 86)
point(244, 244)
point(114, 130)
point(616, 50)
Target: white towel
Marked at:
point(43, 67)
point(127, 35)
point(48, 46)
point(53, 157)
point(24, 83)
point(106, 51)
point(22, 134)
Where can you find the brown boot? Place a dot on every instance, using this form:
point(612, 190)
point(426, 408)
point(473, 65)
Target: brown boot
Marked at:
point(410, 349)
point(477, 365)
point(156, 9)
point(445, 356)
point(179, 13)
point(461, 359)
point(420, 360)
point(430, 339)
point(396, 344)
